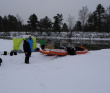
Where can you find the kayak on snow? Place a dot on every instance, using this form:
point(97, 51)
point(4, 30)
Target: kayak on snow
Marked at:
point(62, 52)
point(45, 52)
point(59, 52)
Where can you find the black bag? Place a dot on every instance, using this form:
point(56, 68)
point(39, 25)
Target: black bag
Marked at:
point(11, 53)
point(71, 51)
point(15, 53)
point(37, 49)
point(5, 53)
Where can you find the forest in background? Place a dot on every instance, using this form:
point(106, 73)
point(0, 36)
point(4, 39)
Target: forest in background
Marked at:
point(97, 21)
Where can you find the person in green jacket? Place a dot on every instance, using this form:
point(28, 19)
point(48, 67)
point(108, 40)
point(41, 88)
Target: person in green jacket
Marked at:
point(42, 43)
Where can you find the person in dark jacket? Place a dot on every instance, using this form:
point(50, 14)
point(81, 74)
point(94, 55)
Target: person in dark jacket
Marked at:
point(27, 50)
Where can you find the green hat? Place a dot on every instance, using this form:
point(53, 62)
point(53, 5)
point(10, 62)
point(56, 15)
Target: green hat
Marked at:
point(26, 38)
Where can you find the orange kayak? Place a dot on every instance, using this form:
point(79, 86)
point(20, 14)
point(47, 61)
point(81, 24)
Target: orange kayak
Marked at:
point(54, 52)
point(45, 52)
point(59, 52)
point(82, 52)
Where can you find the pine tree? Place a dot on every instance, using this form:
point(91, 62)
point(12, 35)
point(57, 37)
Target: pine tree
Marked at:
point(33, 22)
point(1, 24)
point(65, 28)
point(99, 17)
point(78, 26)
point(57, 22)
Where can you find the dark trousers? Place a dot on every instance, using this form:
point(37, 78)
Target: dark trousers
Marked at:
point(42, 47)
point(30, 54)
point(0, 61)
point(27, 58)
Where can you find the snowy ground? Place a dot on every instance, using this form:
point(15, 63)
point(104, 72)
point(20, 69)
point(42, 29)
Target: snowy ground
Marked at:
point(88, 73)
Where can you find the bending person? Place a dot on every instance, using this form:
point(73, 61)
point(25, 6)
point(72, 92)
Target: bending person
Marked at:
point(42, 43)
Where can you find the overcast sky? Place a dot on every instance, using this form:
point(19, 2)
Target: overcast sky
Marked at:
point(42, 8)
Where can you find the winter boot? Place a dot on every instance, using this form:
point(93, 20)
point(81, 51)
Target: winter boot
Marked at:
point(26, 61)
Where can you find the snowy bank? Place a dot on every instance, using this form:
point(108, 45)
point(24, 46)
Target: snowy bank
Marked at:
point(88, 73)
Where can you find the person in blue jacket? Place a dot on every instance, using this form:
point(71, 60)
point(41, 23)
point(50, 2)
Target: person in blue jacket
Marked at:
point(30, 40)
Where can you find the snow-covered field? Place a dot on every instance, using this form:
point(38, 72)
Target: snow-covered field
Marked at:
point(88, 73)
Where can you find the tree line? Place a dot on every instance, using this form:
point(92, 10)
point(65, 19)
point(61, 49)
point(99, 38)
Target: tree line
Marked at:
point(97, 21)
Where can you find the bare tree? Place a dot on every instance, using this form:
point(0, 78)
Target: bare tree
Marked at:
point(108, 10)
point(19, 19)
point(70, 21)
point(83, 15)
point(19, 22)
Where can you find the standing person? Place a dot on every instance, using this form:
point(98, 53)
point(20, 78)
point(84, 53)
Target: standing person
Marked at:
point(42, 43)
point(30, 40)
point(27, 50)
